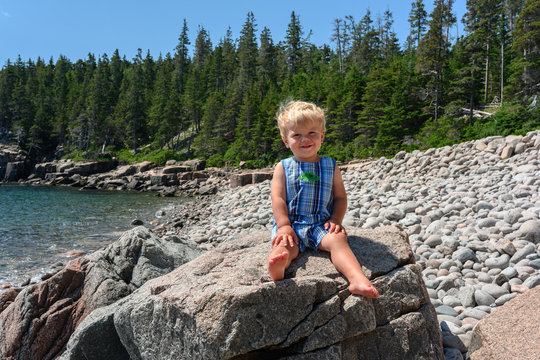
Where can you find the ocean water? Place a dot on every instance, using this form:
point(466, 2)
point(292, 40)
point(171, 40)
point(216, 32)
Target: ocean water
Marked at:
point(39, 224)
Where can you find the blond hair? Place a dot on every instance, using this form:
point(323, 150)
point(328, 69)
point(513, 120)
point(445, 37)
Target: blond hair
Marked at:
point(299, 112)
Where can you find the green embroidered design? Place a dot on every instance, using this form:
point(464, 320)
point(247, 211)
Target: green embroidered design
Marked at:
point(309, 176)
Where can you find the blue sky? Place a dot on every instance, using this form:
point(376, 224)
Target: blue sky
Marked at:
point(49, 28)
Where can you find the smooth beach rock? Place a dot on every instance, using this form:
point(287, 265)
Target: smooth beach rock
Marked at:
point(530, 230)
point(511, 332)
point(223, 305)
point(39, 321)
point(500, 262)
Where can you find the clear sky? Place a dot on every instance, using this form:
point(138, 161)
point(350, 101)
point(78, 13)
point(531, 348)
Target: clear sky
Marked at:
point(73, 28)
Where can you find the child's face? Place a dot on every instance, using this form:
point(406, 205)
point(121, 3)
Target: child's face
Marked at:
point(304, 140)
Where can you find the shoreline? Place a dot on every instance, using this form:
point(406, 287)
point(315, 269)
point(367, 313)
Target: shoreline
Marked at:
point(73, 223)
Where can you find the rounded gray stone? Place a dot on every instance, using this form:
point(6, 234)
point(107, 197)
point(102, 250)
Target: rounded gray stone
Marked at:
point(503, 299)
point(500, 262)
point(482, 205)
point(449, 318)
point(435, 226)
point(522, 253)
point(447, 264)
point(451, 301)
point(535, 264)
point(509, 272)
point(446, 310)
point(487, 223)
point(433, 240)
point(532, 281)
point(463, 255)
point(512, 216)
point(466, 296)
point(372, 222)
point(472, 313)
point(483, 298)
point(432, 293)
point(484, 277)
point(494, 290)
point(393, 213)
point(530, 230)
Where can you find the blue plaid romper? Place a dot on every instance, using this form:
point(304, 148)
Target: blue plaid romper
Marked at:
point(310, 199)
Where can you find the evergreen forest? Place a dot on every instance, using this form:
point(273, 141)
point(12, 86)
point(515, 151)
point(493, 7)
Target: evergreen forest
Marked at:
point(218, 101)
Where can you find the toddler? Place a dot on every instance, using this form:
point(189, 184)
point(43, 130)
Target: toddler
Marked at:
point(309, 200)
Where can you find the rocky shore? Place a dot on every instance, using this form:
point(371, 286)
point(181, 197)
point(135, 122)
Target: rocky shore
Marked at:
point(471, 212)
point(187, 178)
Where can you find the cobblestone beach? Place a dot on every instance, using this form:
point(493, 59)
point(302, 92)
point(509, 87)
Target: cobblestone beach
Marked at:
point(472, 213)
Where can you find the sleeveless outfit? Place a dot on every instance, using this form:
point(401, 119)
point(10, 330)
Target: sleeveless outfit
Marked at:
point(310, 199)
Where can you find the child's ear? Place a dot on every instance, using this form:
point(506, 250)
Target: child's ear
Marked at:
point(322, 136)
point(285, 141)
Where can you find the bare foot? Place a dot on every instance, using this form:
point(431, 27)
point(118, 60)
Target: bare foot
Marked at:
point(363, 287)
point(277, 265)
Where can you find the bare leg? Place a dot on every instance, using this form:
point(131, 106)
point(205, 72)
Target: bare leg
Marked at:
point(346, 263)
point(279, 260)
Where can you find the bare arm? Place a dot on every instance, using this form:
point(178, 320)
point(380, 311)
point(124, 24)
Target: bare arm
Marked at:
point(278, 193)
point(340, 204)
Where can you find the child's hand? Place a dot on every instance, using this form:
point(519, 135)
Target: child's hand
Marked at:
point(286, 234)
point(334, 227)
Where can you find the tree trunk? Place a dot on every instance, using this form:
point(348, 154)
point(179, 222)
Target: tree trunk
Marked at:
point(486, 76)
point(502, 70)
point(436, 98)
point(471, 100)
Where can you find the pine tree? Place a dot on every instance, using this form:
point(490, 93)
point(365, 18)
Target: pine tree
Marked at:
point(181, 59)
point(39, 135)
point(481, 24)
point(366, 46)
point(130, 110)
point(266, 64)
point(342, 38)
point(196, 86)
point(389, 40)
point(211, 139)
point(99, 105)
point(294, 44)
point(247, 52)
point(526, 79)
point(418, 20)
point(433, 55)
point(61, 89)
point(8, 81)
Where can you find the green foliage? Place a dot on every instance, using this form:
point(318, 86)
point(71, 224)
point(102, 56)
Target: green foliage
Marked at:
point(158, 156)
point(339, 151)
point(441, 132)
point(215, 160)
point(511, 119)
point(220, 102)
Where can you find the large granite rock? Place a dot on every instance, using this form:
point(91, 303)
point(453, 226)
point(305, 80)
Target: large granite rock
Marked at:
point(223, 305)
point(14, 164)
point(510, 332)
point(37, 323)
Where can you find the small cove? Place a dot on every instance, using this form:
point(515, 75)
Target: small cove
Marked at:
point(39, 224)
